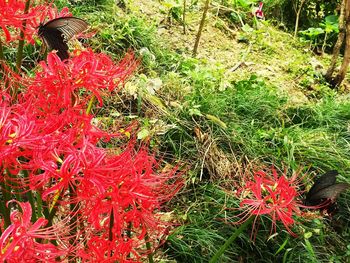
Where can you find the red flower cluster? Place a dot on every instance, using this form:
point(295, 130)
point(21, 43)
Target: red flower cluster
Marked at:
point(86, 71)
point(258, 12)
point(13, 15)
point(19, 242)
point(53, 139)
point(99, 205)
point(271, 195)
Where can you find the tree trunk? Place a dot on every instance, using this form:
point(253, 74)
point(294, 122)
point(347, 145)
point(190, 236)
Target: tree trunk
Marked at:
point(184, 17)
point(201, 25)
point(297, 23)
point(338, 44)
point(298, 11)
point(346, 60)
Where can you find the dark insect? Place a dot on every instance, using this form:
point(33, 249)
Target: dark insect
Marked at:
point(324, 191)
point(57, 32)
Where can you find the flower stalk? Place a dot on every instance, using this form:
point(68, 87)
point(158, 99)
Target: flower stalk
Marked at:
point(149, 248)
point(20, 48)
point(2, 57)
point(91, 103)
point(231, 239)
point(5, 190)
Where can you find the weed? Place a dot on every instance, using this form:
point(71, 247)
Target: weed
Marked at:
point(250, 118)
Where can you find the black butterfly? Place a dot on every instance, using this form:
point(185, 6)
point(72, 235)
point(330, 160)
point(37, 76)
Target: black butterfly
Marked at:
point(57, 32)
point(325, 191)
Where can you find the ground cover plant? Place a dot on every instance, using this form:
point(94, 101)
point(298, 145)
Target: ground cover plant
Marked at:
point(138, 149)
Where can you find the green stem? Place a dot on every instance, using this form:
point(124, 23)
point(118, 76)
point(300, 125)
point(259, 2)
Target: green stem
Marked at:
point(32, 203)
point(21, 40)
point(128, 233)
point(2, 57)
point(2, 62)
point(51, 210)
point(91, 102)
point(139, 104)
point(74, 218)
point(45, 206)
point(39, 203)
point(2, 67)
point(4, 212)
point(148, 246)
point(12, 186)
point(111, 224)
point(229, 241)
point(7, 197)
point(324, 42)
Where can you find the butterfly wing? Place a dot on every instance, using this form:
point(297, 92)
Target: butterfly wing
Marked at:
point(327, 179)
point(54, 40)
point(68, 26)
point(58, 31)
point(330, 192)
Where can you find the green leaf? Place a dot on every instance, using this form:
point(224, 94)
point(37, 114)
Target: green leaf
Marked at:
point(143, 134)
point(282, 246)
point(216, 120)
point(331, 19)
point(308, 235)
point(195, 112)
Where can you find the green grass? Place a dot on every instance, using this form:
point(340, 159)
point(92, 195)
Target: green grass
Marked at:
point(263, 125)
point(202, 229)
point(253, 119)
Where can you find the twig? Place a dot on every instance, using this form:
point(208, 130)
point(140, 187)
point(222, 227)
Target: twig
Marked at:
point(235, 67)
point(226, 27)
point(227, 9)
point(201, 25)
point(205, 155)
point(184, 17)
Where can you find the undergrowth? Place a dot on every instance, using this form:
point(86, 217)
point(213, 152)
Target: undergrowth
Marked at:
point(248, 119)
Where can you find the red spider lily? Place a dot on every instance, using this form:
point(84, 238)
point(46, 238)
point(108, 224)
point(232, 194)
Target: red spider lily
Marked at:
point(116, 196)
point(271, 195)
point(55, 145)
point(12, 15)
point(49, 148)
point(43, 120)
point(43, 125)
point(18, 134)
point(259, 13)
point(46, 13)
point(100, 249)
point(19, 242)
point(128, 187)
point(96, 73)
